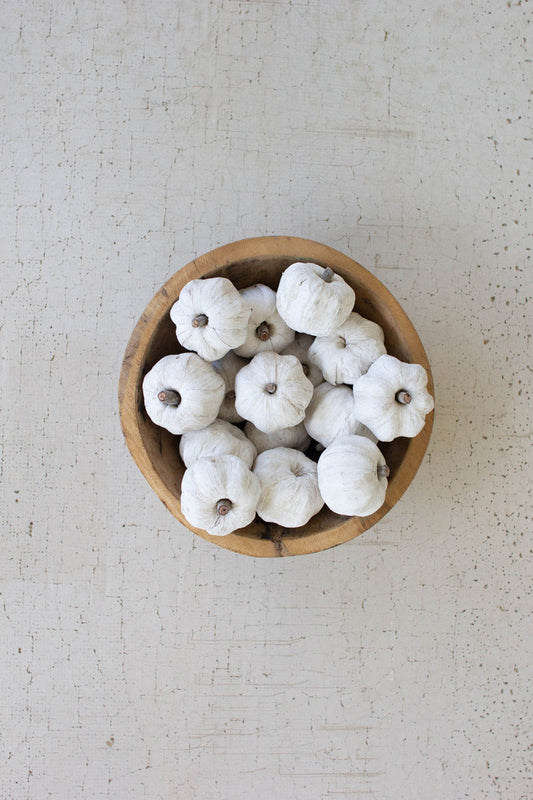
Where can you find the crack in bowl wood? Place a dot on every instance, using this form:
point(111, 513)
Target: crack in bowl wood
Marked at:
point(155, 450)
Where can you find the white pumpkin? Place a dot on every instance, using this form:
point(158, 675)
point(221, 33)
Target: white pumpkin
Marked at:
point(295, 437)
point(228, 367)
point(300, 348)
point(352, 476)
point(313, 299)
point(182, 393)
point(266, 329)
point(346, 354)
point(218, 439)
point(219, 495)
point(272, 392)
point(289, 487)
point(392, 398)
point(331, 414)
point(211, 317)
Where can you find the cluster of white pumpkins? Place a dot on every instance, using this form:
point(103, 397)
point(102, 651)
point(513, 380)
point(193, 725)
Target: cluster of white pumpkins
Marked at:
point(294, 365)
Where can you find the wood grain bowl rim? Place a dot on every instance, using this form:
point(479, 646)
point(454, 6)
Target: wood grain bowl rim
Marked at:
point(292, 248)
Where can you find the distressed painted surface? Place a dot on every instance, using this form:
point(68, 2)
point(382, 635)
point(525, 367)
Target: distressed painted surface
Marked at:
point(138, 660)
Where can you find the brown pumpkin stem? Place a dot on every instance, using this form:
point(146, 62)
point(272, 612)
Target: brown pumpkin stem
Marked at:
point(169, 397)
point(200, 321)
point(403, 397)
point(327, 275)
point(383, 471)
point(230, 395)
point(270, 388)
point(224, 507)
point(305, 368)
point(263, 331)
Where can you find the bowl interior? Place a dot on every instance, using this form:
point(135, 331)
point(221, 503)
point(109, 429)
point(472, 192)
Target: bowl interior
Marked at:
point(162, 447)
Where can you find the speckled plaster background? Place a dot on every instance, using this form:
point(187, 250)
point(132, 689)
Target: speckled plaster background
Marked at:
point(139, 661)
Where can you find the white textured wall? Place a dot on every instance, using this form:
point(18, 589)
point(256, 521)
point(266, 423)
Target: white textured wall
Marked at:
point(139, 661)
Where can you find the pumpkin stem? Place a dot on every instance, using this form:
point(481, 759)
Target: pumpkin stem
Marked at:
point(230, 395)
point(298, 471)
point(305, 368)
point(403, 397)
point(271, 388)
point(263, 331)
point(169, 397)
point(383, 471)
point(199, 321)
point(224, 507)
point(327, 275)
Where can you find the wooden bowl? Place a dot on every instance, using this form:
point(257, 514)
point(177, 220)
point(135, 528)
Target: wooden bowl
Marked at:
point(262, 260)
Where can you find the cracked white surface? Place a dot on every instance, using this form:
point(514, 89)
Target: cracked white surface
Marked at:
point(137, 659)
